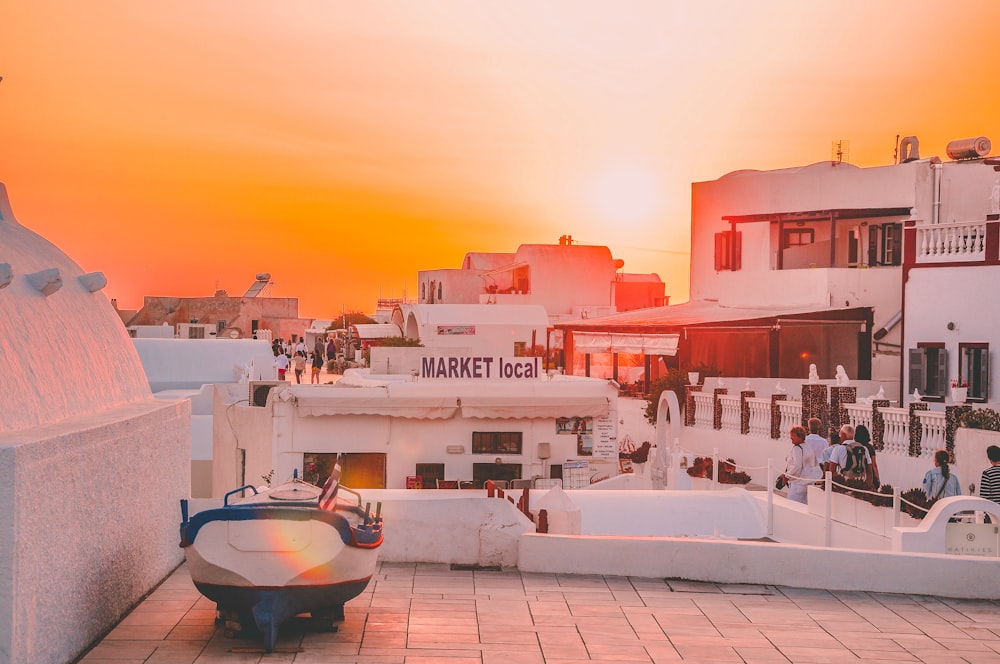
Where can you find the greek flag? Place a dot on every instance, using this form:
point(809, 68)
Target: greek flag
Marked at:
point(328, 496)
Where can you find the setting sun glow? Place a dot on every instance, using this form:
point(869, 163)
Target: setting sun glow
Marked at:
point(182, 148)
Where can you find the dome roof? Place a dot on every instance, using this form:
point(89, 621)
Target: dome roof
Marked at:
point(65, 351)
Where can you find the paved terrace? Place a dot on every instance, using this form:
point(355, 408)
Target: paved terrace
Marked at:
point(426, 614)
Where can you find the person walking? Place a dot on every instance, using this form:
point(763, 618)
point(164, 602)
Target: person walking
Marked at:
point(989, 483)
point(863, 437)
point(281, 362)
point(299, 364)
point(801, 468)
point(816, 441)
point(317, 365)
point(940, 482)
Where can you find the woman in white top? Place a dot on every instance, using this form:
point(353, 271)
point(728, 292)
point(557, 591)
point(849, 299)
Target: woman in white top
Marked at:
point(801, 467)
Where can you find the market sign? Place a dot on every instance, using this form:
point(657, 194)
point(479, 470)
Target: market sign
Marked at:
point(480, 367)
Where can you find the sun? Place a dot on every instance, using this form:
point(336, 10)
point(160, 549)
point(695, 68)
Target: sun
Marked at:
point(626, 194)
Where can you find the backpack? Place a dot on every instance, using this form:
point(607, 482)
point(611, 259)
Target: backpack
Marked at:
point(855, 463)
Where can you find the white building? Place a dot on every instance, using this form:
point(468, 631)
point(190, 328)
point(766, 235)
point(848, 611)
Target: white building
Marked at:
point(569, 280)
point(92, 466)
point(809, 261)
point(436, 414)
point(511, 329)
point(949, 312)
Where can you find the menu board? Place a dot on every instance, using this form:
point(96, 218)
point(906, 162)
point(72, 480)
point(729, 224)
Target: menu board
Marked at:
point(605, 438)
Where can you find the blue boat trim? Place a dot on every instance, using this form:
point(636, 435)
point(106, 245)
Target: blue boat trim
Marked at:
point(189, 531)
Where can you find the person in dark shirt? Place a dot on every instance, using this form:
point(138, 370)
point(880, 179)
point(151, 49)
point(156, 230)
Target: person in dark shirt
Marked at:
point(989, 484)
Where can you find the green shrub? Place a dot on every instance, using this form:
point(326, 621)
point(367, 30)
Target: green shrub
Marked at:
point(981, 418)
point(675, 380)
point(918, 498)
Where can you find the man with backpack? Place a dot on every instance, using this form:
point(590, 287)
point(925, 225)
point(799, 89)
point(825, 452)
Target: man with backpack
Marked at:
point(850, 458)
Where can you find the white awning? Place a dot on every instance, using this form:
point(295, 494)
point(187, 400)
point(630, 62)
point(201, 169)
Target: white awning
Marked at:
point(610, 342)
point(369, 402)
point(537, 406)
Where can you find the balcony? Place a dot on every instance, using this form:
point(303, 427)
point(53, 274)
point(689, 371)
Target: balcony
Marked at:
point(956, 242)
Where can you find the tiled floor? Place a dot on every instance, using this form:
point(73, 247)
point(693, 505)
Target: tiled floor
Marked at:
point(424, 614)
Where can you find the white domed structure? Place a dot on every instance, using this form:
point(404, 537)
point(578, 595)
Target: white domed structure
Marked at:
point(65, 350)
point(91, 466)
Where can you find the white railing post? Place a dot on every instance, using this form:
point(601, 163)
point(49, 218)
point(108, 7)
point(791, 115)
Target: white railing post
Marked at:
point(715, 468)
point(770, 496)
point(829, 508)
point(897, 505)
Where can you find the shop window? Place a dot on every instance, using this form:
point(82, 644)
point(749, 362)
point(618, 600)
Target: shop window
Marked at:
point(798, 237)
point(929, 370)
point(727, 250)
point(496, 442)
point(429, 474)
point(495, 471)
point(974, 369)
point(358, 470)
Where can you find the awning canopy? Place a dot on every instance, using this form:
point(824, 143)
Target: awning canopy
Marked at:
point(608, 342)
point(376, 330)
point(377, 402)
point(498, 400)
point(538, 406)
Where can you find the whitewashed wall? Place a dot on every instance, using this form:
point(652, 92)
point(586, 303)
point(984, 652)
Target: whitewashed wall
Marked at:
point(89, 525)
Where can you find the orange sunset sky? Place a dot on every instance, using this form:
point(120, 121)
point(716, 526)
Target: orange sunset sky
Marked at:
point(181, 147)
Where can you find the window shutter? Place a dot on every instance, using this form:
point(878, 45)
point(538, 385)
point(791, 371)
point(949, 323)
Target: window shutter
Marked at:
point(918, 364)
point(894, 240)
point(737, 261)
point(720, 252)
point(852, 247)
point(941, 370)
point(874, 255)
point(984, 373)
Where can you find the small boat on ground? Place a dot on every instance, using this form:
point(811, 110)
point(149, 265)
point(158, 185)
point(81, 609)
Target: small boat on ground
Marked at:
point(277, 553)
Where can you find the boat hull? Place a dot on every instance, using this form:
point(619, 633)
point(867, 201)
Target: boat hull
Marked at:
point(274, 562)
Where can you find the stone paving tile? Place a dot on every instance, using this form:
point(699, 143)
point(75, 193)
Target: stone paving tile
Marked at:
point(430, 614)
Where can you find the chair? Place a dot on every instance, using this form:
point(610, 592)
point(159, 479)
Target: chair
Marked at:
point(468, 484)
point(499, 484)
point(547, 483)
point(414, 482)
point(447, 484)
point(520, 484)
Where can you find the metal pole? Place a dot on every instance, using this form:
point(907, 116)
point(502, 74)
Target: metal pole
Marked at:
point(829, 508)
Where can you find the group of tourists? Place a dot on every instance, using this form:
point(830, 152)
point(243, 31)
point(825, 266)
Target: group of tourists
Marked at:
point(854, 458)
point(295, 356)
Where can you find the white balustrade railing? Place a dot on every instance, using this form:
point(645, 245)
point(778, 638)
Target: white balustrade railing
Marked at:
point(896, 430)
point(859, 413)
point(730, 404)
point(896, 421)
point(959, 241)
point(791, 415)
point(932, 439)
point(760, 416)
point(704, 405)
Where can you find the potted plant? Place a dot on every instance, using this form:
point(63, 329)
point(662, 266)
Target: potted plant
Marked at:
point(703, 468)
point(959, 390)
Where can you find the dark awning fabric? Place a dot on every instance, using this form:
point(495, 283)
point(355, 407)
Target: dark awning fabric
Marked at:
point(821, 215)
point(673, 319)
